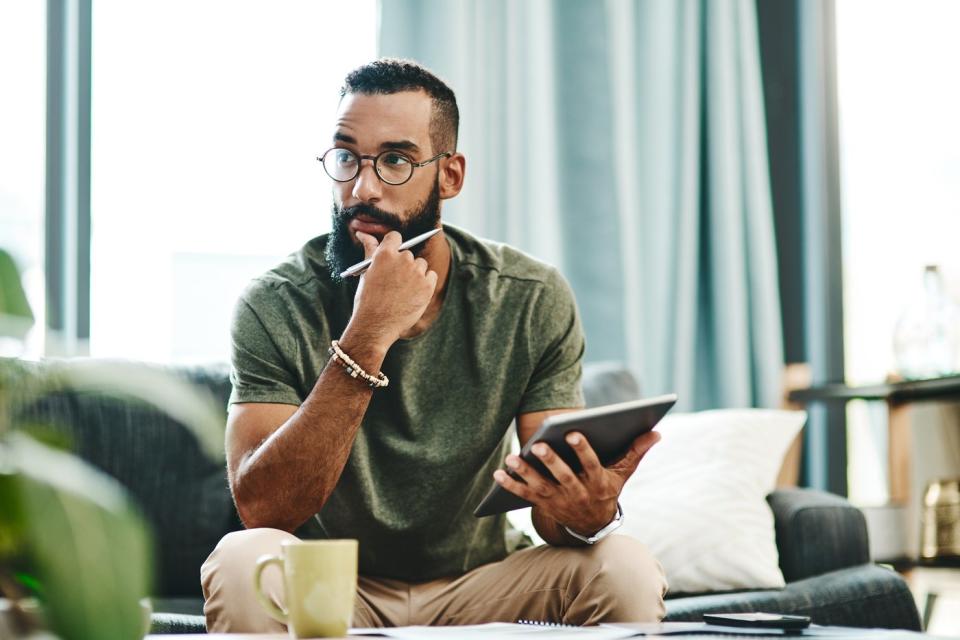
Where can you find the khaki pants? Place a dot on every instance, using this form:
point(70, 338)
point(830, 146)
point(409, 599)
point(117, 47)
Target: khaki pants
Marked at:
point(614, 580)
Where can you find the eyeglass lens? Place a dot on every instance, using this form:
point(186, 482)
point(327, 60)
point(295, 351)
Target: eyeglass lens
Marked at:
point(392, 167)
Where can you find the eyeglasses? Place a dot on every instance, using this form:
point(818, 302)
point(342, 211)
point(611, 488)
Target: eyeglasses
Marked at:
point(392, 167)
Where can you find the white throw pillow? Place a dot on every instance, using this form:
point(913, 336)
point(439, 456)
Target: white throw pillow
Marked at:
point(698, 498)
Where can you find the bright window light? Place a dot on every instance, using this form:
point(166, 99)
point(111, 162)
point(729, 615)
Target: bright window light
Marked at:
point(207, 117)
point(899, 101)
point(23, 33)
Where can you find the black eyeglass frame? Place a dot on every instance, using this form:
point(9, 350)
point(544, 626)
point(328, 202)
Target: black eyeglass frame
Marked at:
point(376, 159)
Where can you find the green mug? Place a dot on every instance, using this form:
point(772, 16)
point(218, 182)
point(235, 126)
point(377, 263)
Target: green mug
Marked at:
point(319, 585)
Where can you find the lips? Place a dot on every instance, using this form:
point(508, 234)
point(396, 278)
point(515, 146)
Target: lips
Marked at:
point(369, 226)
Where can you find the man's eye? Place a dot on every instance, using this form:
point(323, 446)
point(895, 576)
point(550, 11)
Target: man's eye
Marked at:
point(345, 158)
point(394, 159)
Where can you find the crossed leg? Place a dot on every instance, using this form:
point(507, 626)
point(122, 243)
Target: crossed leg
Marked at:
point(615, 580)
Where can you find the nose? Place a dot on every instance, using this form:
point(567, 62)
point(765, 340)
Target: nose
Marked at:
point(366, 186)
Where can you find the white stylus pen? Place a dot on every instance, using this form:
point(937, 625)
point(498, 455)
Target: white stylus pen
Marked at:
point(360, 267)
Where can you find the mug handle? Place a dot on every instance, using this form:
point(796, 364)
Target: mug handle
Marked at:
point(263, 562)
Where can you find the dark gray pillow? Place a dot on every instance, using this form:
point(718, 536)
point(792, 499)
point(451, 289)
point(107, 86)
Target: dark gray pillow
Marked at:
point(608, 383)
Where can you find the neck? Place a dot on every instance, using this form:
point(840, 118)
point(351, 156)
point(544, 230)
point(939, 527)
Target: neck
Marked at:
point(437, 254)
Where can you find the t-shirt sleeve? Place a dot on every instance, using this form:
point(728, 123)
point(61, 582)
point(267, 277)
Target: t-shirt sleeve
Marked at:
point(258, 371)
point(555, 383)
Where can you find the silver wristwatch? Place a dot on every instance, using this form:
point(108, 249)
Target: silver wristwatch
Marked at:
point(603, 533)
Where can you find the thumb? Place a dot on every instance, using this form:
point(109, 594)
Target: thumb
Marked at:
point(631, 460)
point(369, 243)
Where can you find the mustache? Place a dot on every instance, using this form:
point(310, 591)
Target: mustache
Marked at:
point(372, 212)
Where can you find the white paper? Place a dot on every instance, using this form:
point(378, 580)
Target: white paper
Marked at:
point(498, 630)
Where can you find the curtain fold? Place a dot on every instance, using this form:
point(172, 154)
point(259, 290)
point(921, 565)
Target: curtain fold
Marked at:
point(624, 142)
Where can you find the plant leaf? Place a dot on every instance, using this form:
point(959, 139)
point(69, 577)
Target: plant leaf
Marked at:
point(90, 547)
point(16, 318)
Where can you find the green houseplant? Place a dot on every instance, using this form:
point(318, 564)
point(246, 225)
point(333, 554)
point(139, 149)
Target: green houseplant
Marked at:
point(70, 535)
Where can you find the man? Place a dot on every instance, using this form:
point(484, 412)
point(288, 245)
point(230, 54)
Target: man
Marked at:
point(381, 407)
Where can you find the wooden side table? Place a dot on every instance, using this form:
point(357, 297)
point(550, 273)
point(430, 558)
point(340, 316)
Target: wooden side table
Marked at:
point(912, 407)
point(899, 397)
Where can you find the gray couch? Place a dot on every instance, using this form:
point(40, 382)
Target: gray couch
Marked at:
point(821, 538)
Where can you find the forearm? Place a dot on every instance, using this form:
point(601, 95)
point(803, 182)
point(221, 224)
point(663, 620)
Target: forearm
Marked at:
point(290, 476)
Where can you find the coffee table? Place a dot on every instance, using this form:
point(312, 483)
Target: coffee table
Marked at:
point(860, 634)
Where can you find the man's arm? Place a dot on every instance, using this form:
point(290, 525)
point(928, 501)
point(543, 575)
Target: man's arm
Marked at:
point(283, 462)
point(585, 502)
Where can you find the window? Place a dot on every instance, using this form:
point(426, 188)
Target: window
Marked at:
point(207, 117)
point(23, 33)
point(899, 108)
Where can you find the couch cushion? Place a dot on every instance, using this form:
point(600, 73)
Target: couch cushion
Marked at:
point(864, 596)
point(167, 623)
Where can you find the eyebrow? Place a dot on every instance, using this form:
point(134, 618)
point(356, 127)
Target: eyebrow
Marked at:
point(400, 145)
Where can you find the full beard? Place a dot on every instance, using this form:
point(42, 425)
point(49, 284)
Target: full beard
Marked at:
point(342, 252)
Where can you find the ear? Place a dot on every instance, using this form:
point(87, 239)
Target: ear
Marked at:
point(452, 172)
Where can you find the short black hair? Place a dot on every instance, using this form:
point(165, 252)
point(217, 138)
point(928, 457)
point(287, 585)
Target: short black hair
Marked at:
point(393, 75)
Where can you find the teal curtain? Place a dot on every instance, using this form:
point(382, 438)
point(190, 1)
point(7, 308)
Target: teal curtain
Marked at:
point(624, 142)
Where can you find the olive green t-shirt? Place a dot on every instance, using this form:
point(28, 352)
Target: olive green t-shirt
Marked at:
point(507, 341)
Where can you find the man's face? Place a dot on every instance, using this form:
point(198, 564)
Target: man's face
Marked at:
point(368, 125)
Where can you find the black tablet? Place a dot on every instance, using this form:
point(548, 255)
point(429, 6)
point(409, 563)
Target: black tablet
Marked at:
point(610, 430)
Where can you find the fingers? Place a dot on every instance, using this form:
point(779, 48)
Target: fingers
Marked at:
point(588, 457)
point(392, 240)
point(560, 470)
point(569, 484)
point(536, 487)
point(369, 243)
point(514, 486)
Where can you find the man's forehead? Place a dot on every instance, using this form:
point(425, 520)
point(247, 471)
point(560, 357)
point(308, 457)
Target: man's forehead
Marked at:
point(372, 119)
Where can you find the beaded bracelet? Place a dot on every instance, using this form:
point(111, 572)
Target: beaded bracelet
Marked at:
point(354, 370)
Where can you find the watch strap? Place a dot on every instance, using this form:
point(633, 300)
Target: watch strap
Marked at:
point(603, 533)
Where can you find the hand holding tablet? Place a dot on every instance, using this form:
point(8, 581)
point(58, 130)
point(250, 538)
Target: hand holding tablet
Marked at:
point(609, 430)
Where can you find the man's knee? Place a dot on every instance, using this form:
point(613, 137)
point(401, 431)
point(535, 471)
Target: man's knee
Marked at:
point(227, 580)
point(620, 581)
point(240, 549)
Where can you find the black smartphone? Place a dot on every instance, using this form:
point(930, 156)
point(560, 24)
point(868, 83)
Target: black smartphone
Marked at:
point(758, 620)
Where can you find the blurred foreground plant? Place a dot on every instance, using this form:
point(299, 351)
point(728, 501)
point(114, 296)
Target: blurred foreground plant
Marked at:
point(69, 534)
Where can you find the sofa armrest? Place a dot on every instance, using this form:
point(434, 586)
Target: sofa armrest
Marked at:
point(817, 532)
